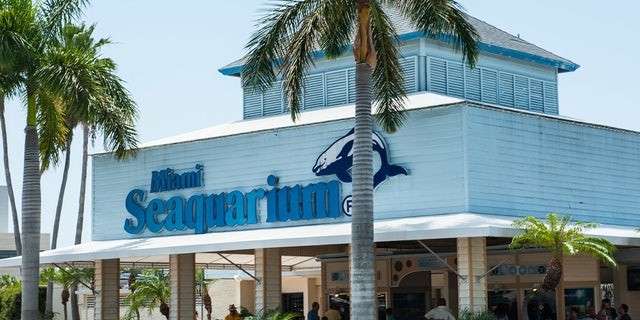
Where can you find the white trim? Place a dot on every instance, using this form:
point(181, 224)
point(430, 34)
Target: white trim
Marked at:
point(405, 229)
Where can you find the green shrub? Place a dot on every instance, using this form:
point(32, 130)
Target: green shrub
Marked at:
point(11, 299)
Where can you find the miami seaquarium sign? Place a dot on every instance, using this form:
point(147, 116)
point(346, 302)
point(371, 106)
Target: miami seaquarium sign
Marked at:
point(204, 212)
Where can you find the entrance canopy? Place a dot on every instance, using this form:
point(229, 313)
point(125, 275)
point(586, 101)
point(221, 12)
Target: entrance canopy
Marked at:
point(207, 246)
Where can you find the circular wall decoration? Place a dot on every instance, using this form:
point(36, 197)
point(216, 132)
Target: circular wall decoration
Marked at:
point(398, 266)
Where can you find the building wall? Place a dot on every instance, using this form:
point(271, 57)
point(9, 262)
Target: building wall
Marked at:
point(459, 158)
point(523, 164)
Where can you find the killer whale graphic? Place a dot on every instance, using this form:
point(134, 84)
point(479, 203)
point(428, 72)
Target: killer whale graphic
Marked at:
point(338, 159)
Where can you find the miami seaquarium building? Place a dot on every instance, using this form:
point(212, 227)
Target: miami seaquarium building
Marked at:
point(480, 148)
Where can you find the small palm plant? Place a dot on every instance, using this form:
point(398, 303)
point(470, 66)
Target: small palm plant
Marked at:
point(148, 292)
point(202, 281)
point(273, 315)
point(559, 236)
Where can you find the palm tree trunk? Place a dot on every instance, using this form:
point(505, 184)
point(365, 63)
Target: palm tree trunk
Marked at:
point(362, 279)
point(63, 185)
point(83, 182)
point(73, 299)
point(554, 275)
point(56, 220)
point(49, 299)
point(7, 175)
point(31, 205)
point(64, 296)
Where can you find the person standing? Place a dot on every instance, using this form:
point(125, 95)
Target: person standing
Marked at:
point(623, 310)
point(313, 313)
point(233, 313)
point(441, 312)
point(333, 313)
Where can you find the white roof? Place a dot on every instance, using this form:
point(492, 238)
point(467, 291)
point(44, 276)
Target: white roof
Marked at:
point(208, 245)
point(415, 101)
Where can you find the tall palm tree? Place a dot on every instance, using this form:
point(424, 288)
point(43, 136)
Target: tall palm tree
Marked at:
point(36, 24)
point(287, 38)
point(97, 98)
point(150, 291)
point(562, 238)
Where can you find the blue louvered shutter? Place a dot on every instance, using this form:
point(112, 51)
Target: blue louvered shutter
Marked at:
point(489, 79)
point(272, 101)
point(550, 98)
point(252, 104)
point(409, 66)
point(521, 94)
point(313, 92)
point(437, 76)
point(536, 95)
point(337, 89)
point(506, 89)
point(455, 79)
point(473, 89)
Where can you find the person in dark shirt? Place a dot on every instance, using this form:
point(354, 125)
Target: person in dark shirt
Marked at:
point(623, 310)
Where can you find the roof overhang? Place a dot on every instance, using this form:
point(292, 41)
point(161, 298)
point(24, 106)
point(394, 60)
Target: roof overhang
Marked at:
point(206, 246)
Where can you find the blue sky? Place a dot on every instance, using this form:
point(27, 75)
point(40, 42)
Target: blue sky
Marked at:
point(169, 54)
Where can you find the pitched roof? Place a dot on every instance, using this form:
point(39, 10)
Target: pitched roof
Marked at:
point(492, 40)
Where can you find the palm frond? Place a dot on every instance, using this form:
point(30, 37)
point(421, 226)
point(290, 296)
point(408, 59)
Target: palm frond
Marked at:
point(560, 236)
point(388, 78)
point(52, 130)
point(446, 22)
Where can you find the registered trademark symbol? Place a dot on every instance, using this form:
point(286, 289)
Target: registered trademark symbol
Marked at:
point(346, 205)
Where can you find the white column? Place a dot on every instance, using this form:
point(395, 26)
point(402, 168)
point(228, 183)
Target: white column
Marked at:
point(183, 286)
point(269, 272)
point(107, 286)
point(472, 264)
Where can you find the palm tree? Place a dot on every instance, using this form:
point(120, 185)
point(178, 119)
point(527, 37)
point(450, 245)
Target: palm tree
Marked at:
point(36, 24)
point(97, 98)
point(559, 236)
point(204, 283)
point(149, 291)
point(288, 36)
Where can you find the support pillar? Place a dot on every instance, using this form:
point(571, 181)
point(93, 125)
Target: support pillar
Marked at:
point(107, 286)
point(472, 264)
point(182, 276)
point(269, 272)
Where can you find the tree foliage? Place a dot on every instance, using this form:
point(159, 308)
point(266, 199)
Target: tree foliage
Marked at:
point(562, 237)
point(149, 291)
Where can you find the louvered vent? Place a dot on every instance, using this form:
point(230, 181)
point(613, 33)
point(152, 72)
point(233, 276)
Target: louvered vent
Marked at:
point(536, 95)
point(252, 104)
point(550, 98)
point(272, 101)
point(455, 79)
point(313, 92)
point(473, 88)
point(437, 74)
point(489, 80)
point(409, 67)
point(337, 88)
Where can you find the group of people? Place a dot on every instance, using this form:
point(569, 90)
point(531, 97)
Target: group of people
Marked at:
point(608, 313)
point(331, 314)
point(441, 312)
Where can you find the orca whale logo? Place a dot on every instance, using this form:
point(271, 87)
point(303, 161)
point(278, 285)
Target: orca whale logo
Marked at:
point(338, 159)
